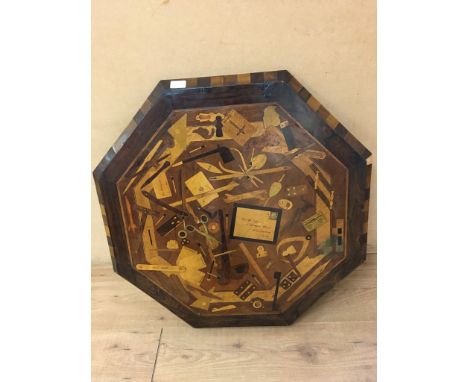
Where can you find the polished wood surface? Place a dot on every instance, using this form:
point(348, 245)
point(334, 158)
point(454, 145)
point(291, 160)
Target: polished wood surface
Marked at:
point(233, 201)
point(134, 337)
point(236, 200)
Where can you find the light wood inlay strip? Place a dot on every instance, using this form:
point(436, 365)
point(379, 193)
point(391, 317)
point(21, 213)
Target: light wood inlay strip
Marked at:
point(243, 78)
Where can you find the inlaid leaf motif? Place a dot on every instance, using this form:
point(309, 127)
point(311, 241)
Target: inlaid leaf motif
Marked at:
point(209, 167)
point(275, 188)
point(258, 161)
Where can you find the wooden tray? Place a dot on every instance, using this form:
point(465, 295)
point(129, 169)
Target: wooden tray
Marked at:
point(235, 200)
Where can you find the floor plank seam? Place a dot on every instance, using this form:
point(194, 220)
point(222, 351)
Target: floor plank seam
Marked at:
point(157, 353)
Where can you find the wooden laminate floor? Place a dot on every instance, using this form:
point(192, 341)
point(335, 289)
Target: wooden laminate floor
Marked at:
point(136, 339)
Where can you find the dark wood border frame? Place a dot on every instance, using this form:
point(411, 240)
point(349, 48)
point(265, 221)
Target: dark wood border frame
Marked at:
point(277, 86)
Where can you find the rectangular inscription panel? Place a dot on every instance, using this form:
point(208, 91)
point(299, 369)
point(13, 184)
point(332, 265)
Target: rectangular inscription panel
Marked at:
point(255, 223)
